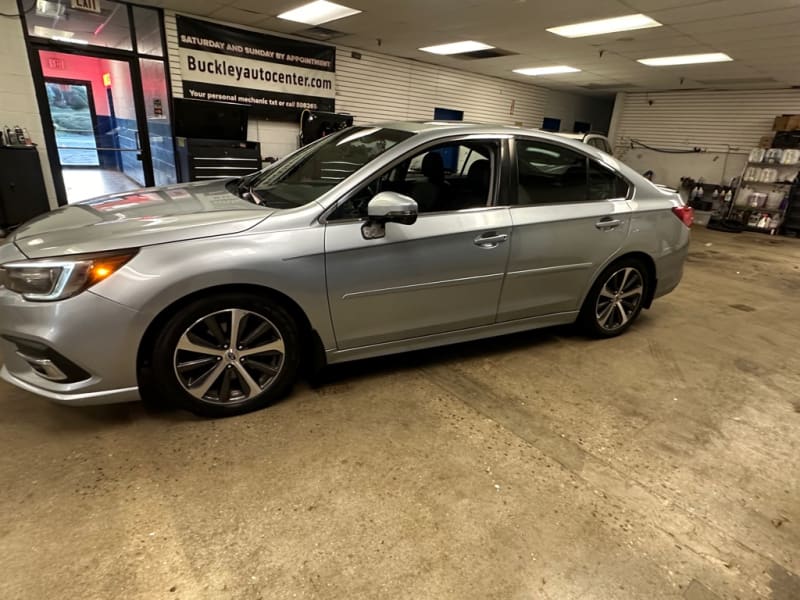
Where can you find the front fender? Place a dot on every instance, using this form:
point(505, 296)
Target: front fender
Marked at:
point(291, 262)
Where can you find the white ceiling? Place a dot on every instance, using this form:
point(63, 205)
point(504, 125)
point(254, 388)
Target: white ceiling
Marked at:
point(760, 35)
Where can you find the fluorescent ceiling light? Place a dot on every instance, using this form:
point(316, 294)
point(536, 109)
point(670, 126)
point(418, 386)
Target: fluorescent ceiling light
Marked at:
point(555, 70)
point(57, 35)
point(49, 32)
point(319, 12)
point(626, 23)
point(50, 9)
point(686, 59)
point(70, 40)
point(358, 134)
point(457, 48)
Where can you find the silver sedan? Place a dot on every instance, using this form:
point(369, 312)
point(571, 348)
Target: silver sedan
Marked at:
point(371, 241)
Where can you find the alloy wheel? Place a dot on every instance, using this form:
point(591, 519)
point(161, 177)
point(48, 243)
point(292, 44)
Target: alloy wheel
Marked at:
point(229, 357)
point(619, 299)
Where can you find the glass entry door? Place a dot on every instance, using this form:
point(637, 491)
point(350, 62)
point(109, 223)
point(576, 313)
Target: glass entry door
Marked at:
point(103, 91)
point(72, 109)
point(94, 120)
point(159, 122)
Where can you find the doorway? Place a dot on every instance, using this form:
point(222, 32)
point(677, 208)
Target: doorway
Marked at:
point(103, 92)
point(93, 118)
point(72, 109)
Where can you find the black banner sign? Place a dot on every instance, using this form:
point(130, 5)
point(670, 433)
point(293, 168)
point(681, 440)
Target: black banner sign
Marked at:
point(276, 76)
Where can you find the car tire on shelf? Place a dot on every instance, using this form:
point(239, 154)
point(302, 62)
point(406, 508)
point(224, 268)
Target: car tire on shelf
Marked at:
point(616, 299)
point(226, 355)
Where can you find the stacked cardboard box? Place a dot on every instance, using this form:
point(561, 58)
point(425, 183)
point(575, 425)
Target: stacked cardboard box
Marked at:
point(786, 123)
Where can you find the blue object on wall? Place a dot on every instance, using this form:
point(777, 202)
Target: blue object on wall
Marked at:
point(551, 124)
point(581, 127)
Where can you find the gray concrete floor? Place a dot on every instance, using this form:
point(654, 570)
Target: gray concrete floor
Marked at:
point(662, 464)
point(90, 182)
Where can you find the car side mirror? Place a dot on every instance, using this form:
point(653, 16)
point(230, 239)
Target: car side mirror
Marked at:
point(388, 207)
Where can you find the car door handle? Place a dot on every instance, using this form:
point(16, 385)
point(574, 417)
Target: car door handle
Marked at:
point(490, 240)
point(608, 223)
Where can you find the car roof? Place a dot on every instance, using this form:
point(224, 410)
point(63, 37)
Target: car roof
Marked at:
point(580, 136)
point(465, 128)
point(572, 136)
point(425, 126)
point(430, 131)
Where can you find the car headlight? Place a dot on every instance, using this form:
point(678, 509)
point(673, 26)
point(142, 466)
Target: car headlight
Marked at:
point(53, 279)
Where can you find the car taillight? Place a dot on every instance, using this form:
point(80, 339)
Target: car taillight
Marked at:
point(685, 214)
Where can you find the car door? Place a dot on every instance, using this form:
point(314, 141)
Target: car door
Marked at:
point(569, 217)
point(441, 274)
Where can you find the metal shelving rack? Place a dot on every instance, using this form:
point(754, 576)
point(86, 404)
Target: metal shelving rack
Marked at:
point(741, 211)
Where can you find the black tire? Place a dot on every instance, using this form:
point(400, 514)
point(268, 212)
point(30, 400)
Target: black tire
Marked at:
point(202, 325)
point(611, 306)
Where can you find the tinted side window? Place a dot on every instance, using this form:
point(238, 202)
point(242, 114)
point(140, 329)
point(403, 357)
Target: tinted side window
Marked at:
point(549, 173)
point(604, 184)
point(355, 207)
point(447, 177)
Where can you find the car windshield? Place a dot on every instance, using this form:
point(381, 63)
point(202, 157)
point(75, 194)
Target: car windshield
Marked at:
point(311, 171)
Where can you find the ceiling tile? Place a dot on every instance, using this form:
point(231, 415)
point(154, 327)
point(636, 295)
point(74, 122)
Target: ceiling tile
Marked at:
point(740, 22)
point(702, 11)
point(670, 51)
point(761, 36)
point(235, 15)
point(648, 6)
point(193, 7)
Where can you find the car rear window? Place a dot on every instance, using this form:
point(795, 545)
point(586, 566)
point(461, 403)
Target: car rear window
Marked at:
point(552, 174)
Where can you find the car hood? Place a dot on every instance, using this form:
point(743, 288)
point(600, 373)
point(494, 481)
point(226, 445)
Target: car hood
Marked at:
point(141, 218)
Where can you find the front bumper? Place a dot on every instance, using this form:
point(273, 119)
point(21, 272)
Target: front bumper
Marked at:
point(72, 398)
point(97, 335)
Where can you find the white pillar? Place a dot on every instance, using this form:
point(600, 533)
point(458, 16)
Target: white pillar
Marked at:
point(616, 118)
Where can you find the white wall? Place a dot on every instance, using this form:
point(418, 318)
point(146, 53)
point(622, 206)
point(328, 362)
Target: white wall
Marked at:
point(713, 167)
point(576, 107)
point(378, 87)
point(17, 97)
point(726, 125)
point(277, 138)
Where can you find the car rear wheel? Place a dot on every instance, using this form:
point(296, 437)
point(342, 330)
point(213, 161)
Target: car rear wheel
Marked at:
point(616, 298)
point(227, 355)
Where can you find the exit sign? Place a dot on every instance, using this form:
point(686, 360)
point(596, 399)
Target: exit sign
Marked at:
point(86, 5)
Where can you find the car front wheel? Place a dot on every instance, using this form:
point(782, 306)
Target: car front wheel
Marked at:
point(227, 355)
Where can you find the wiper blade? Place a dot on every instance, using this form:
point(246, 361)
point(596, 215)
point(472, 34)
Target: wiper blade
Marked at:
point(246, 181)
point(254, 197)
point(245, 191)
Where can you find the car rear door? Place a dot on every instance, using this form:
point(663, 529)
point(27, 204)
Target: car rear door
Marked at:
point(570, 215)
point(441, 274)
